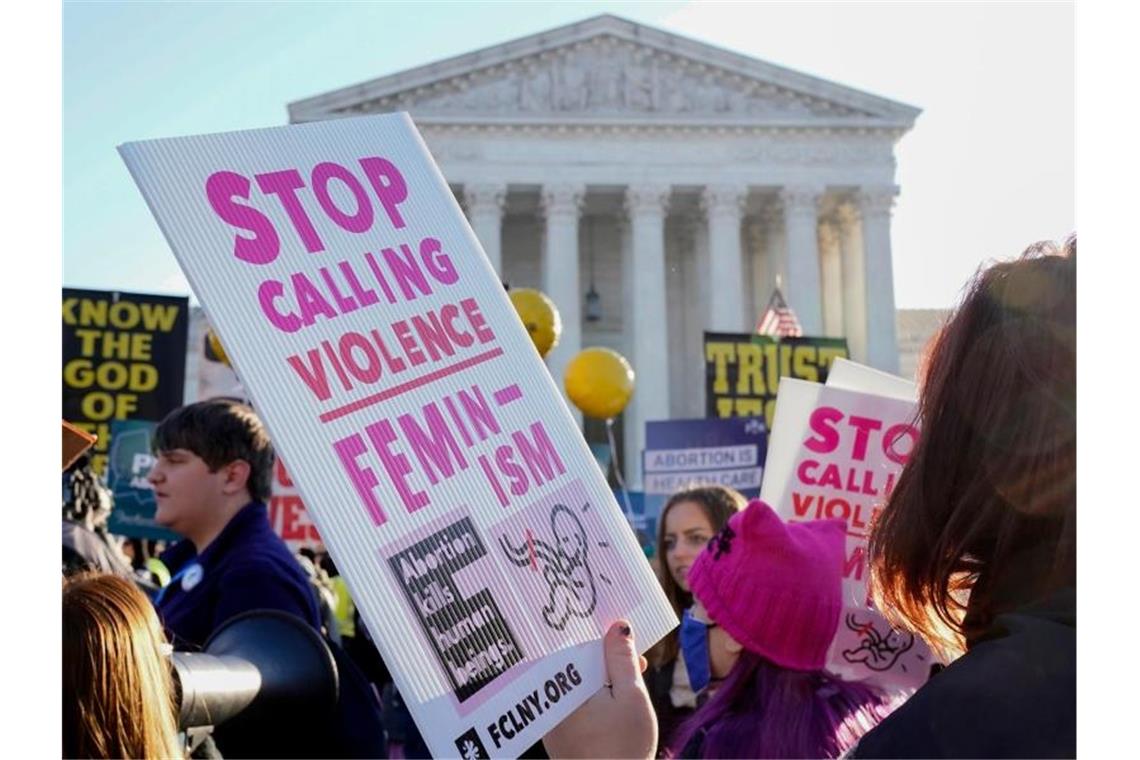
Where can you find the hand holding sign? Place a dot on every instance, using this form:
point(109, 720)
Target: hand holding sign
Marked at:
point(617, 721)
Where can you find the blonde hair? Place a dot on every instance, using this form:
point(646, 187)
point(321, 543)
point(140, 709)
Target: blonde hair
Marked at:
point(118, 696)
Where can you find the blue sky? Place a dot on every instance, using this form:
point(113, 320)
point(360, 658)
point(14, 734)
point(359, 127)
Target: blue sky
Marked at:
point(988, 168)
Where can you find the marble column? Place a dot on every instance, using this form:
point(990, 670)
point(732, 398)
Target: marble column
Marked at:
point(882, 340)
point(831, 275)
point(752, 237)
point(630, 461)
point(775, 255)
point(484, 203)
point(646, 206)
point(561, 205)
point(802, 290)
point(695, 308)
point(701, 279)
point(851, 264)
point(723, 206)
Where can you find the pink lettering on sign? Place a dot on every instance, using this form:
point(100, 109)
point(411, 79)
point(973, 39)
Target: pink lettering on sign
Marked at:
point(363, 479)
point(892, 440)
point(822, 423)
point(826, 435)
point(873, 482)
point(225, 188)
point(285, 184)
point(863, 427)
point(361, 219)
point(389, 185)
point(860, 516)
point(418, 382)
point(421, 450)
point(382, 435)
point(222, 188)
point(305, 298)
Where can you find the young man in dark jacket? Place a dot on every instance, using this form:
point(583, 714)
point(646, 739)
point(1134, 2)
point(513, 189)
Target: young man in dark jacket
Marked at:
point(211, 481)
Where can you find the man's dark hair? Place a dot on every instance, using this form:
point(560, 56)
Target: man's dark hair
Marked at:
point(221, 431)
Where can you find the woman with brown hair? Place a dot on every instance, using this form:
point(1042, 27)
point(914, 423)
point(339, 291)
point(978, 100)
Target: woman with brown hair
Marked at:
point(117, 689)
point(976, 549)
point(688, 520)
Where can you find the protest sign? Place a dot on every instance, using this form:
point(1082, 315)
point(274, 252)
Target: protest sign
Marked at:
point(287, 513)
point(129, 461)
point(430, 444)
point(836, 453)
point(859, 377)
point(683, 453)
point(124, 357)
point(640, 517)
point(742, 371)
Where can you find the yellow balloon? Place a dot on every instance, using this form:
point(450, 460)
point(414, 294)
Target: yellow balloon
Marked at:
point(216, 347)
point(599, 382)
point(539, 316)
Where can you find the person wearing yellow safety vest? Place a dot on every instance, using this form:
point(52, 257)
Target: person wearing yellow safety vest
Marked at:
point(345, 610)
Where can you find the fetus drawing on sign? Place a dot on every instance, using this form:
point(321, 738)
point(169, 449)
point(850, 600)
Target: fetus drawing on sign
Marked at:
point(875, 650)
point(563, 561)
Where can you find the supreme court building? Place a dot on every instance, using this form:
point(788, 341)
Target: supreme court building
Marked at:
point(656, 187)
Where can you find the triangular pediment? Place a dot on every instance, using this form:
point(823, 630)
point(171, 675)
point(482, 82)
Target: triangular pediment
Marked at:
point(607, 69)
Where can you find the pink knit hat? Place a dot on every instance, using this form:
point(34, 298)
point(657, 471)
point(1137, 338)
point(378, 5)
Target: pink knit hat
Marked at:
point(774, 587)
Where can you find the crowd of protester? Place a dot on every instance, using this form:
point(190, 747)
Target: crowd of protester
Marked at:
point(975, 551)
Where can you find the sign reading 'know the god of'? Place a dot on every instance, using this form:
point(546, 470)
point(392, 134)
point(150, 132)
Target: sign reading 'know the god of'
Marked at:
point(124, 358)
point(429, 442)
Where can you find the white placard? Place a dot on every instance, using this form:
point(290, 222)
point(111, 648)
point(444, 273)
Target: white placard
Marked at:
point(836, 453)
point(859, 377)
point(427, 439)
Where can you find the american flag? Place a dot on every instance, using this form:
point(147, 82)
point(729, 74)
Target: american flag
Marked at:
point(778, 319)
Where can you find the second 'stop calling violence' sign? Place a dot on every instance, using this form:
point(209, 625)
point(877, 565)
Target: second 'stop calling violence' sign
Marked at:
point(742, 372)
point(429, 442)
point(837, 453)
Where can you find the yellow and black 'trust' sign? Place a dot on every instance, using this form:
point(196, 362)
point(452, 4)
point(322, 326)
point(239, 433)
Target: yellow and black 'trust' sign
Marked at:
point(742, 371)
point(124, 357)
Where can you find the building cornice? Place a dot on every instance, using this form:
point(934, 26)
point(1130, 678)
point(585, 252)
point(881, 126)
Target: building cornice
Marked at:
point(498, 58)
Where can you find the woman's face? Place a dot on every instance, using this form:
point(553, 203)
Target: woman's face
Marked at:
point(687, 530)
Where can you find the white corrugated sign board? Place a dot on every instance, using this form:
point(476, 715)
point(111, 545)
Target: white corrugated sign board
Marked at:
point(836, 453)
point(427, 438)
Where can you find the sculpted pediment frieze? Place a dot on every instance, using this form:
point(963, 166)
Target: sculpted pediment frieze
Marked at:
point(608, 78)
point(606, 69)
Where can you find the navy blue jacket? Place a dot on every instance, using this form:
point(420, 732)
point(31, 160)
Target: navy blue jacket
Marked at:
point(247, 567)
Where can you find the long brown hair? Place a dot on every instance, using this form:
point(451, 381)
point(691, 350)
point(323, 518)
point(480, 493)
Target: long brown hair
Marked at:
point(117, 691)
point(718, 503)
point(988, 493)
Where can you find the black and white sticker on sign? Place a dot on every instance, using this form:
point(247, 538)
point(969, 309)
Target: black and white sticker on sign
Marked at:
point(470, 747)
point(469, 634)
